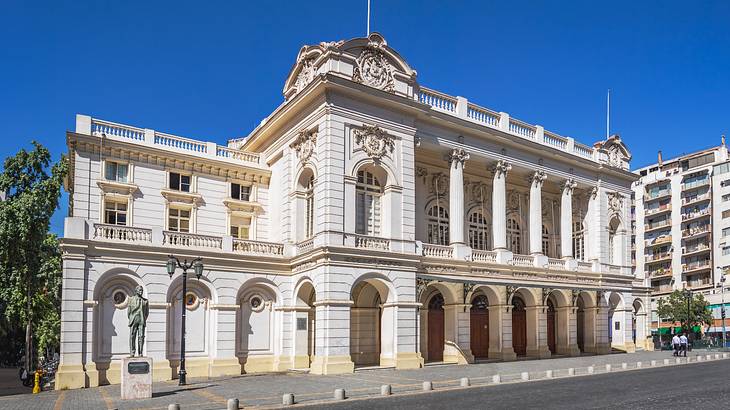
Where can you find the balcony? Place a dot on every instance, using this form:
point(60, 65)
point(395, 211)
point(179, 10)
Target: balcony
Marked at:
point(661, 289)
point(372, 242)
point(660, 240)
point(660, 273)
point(695, 199)
point(695, 250)
point(657, 226)
point(658, 210)
point(696, 184)
point(696, 266)
point(696, 215)
point(658, 257)
point(696, 231)
point(657, 195)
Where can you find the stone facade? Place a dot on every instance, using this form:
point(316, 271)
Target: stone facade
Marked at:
point(366, 221)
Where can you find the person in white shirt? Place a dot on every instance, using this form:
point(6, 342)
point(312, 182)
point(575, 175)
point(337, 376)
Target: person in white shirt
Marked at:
point(675, 345)
point(683, 343)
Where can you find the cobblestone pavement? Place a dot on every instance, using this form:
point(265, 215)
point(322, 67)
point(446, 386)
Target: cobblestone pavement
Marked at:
point(267, 390)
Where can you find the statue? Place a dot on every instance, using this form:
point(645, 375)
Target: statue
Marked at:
point(137, 312)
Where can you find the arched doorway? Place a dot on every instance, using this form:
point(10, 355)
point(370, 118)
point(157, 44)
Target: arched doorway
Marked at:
point(580, 325)
point(304, 326)
point(479, 319)
point(365, 325)
point(436, 328)
point(551, 326)
point(519, 326)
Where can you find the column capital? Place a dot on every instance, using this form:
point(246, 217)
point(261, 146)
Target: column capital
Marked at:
point(569, 185)
point(457, 154)
point(537, 178)
point(501, 168)
point(594, 192)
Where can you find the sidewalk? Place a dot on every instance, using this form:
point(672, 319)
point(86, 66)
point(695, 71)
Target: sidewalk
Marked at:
point(267, 390)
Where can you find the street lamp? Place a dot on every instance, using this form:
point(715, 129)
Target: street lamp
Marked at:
point(197, 265)
point(688, 294)
point(722, 309)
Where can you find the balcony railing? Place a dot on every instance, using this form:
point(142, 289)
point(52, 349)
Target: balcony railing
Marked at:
point(371, 242)
point(659, 209)
point(694, 249)
point(484, 256)
point(660, 273)
point(556, 263)
point(585, 266)
point(438, 251)
point(695, 214)
point(305, 246)
point(692, 199)
point(695, 184)
point(191, 240)
point(657, 195)
point(693, 266)
point(697, 230)
point(658, 257)
point(120, 233)
point(659, 240)
point(257, 247)
point(655, 226)
point(523, 260)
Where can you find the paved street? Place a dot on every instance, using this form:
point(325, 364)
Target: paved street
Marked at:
point(267, 390)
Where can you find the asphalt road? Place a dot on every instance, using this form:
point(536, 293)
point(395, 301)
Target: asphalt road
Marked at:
point(693, 386)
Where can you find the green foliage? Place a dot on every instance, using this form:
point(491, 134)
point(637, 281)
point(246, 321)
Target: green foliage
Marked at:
point(673, 308)
point(30, 261)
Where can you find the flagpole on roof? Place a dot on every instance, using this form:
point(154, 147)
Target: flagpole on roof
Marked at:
point(368, 35)
point(608, 113)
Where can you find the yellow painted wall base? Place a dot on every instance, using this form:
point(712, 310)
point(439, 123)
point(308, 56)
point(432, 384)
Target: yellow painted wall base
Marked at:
point(258, 364)
point(628, 347)
point(412, 360)
point(603, 348)
point(542, 352)
point(332, 365)
point(225, 367)
point(507, 354)
point(161, 370)
point(301, 362)
point(70, 376)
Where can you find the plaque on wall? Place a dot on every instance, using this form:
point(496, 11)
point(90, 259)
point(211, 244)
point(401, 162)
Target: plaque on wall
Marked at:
point(138, 367)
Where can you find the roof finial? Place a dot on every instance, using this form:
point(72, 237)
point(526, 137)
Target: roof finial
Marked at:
point(659, 157)
point(723, 140)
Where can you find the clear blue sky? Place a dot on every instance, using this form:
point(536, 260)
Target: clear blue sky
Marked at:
point(211, 70)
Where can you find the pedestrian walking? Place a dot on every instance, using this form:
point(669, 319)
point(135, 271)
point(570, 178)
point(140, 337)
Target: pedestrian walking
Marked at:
point(675, 345)
point(683, 343)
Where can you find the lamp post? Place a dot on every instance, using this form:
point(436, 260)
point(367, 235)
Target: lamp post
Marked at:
point(688, 294)
point(722, 309)
point(172, 264)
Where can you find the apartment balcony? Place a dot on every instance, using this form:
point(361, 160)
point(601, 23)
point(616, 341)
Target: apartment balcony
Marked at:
point(661, 240)
point(696, 200)
point(658, 210)
point(695, 250)
point(696, 184)
point(660, 273)
point(695, 267)
point(696, 232)
point(661, 257)
point(658, 195)
point(661, 290)
point(696, 215)
point(656, 227)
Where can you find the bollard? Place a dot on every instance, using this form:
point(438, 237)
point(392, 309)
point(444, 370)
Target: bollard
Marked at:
point(653, 363)
point(608, 368)
point(496, 379)
point(699, 358)
point(678, 360)
point(173, 406)
point(427, 386)
point(638, 365)
point(709, 357)
point(666, 361)
point(465, 382)
point(624, 366)
point(232, 404)
point(287, 399)
point(525, 376)
point(548, 374)
point(590, 369)
point(385, 390)
point(571, 372)
point(724, 355)
point(717, 356)
point(339, 394)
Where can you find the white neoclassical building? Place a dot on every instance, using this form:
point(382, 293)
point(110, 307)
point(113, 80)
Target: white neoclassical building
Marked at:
point(367, 221)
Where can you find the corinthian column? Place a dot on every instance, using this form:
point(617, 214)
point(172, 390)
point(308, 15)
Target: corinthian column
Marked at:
point(456, 159)
point(499, 205)
point(566, 219)
point(536, 181)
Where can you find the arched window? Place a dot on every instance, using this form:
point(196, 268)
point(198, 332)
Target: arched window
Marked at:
point(579, 251)
point(368, 204)
point(438, 225)
point(545, 241)
point(614, 244)
point(478, 231)
point(309, 207)
point(514, 236)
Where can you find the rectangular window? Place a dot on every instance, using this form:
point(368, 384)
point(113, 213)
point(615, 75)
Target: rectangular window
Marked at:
point(725, 183)
point(725, 250)
point(726, 198)
point(178, 220)
point(240, 228)
point(240, 192)
point(726, 214)
point(116, 172)
point(722, 169)
point(115, 213)
point(179, 182)
point(725, 232)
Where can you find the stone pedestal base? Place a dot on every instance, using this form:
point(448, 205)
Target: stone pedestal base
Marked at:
point(225, 367)
point(540, 352)
point(70, 376)
point(136, 378)
point(332, 365)
point(412, 360)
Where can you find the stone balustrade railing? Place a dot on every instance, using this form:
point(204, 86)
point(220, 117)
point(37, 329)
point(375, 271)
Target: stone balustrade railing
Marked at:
point(141, 136)
point(105, 232)
point(461, 107)
point(191, 240)
point(372, 242)
point(305, 246)
point(438, 251)
point(258, 247)
point(523, 260)
point(585, 266)
point(556, 263)
point(484, 256)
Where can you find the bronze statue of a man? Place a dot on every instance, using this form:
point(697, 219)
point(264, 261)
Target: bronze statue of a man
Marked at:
point(137, 311)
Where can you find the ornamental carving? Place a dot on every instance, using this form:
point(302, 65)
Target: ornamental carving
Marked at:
point(545, 295)
point(422, 172)
point(501, 168)
point(374, 141)
point(480, 193)
point(306, 74)
point(537, 178)
point(575, 293)
point(594, 192)
point(304, 144)
point(615, 157)
point(568, 186)
point(458, 156)
point(372, 69)
point(615, 202)
point(513, 201)
point(546, 208)
point(439, 184)
point(421, 285)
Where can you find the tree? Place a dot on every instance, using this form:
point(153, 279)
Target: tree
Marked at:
point(674, 309)
point(30, 268)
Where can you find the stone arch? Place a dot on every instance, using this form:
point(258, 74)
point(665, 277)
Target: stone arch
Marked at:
point(373, 320)
point(515, 226)
point(387, 171)
point(478, 227)
point(639, 323)
point(586, 305)
point(616, 236)
point(256, 325)
point(479, 323)
point(111, 330)
point(617, 312)
point(493, 294)
point(304, 203)
point(304, 322)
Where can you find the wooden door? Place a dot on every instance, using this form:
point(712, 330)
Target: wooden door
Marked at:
point(519, 326)
point(551, 327)
point(580, 329)
point(436, 329)
point(479, 327)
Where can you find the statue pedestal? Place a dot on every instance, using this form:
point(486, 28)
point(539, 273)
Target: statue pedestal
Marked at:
point(136, 378)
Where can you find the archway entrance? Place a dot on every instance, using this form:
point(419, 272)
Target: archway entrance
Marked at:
point(304, 326)
point(519, 326)
point(551, 326)
point(580, 325)
point(365, 325)
point(479, 320)
point(436, 328)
